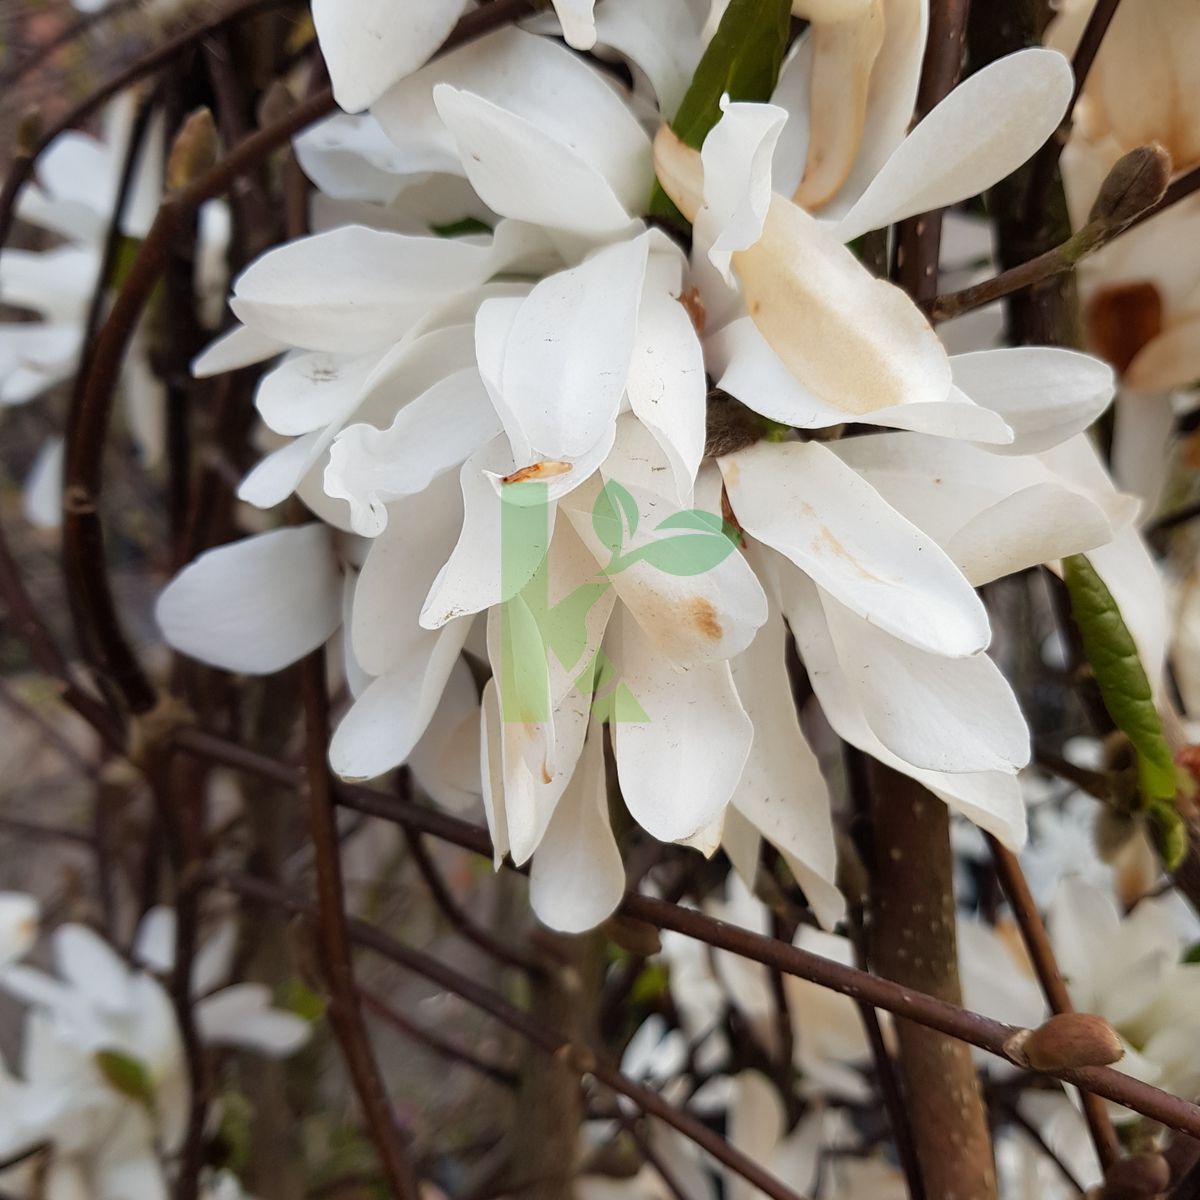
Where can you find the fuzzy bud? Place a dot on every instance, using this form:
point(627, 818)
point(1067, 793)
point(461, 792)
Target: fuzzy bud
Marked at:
point(194, 150)
point(1065, 1042)
point(1135, 1177)
point(637, 937)
point(1136, 182)
point(275, 104)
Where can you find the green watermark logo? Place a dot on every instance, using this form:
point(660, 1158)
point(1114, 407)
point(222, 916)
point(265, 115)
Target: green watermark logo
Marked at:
point(688, 542)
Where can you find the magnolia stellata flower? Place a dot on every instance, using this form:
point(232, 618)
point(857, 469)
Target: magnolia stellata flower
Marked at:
point(105, 1079)
point(1130, 970)
point(1141, 296)
point(76, 190)
point(371, 44)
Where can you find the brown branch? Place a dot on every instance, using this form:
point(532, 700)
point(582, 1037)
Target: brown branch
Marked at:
point(967, 1026)
point(1045, 162)
point(1041, 954)
point(47, 49)
point(438, 1044)
point(345, 1014)
point(547, 1039)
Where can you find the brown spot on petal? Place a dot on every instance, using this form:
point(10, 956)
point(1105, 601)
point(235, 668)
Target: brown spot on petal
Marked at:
point(1120, 320)
point(826, 542)
point(541, 470)
point(694, 307)
point(703, 616)
point(546, 776)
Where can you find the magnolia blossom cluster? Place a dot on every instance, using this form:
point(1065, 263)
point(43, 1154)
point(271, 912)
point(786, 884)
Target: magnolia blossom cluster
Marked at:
point(98, 1105)
point(495, 394)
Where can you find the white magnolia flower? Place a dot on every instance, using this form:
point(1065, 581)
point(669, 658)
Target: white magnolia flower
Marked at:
point(104, 1078)
point(1141, 296)
point(1130, 970)
point(371, 44)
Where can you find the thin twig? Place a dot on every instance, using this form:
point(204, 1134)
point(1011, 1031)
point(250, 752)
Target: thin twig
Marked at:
point(1041, 954)
point(549, 1040)
point(1045, 162)
point(345, 1014)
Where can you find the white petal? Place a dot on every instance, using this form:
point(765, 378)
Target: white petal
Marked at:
point(802, 500)
point(578, 878)
point(992, 799)
point(445, 762)
point(257, 605)
point(369, 44)
point(498, 549)
point(278, 475)
point(536, 79)
point(18, 925)
point(690, 615)
point(436, 432)
point(41, 499)
point(387, 720)
point(154, 946)
point(679, 768)
point(240, 347)
point(979, 134)
point(569, 350)
point(782, 792)
point(756, 1124)
point(308, 391)
point(354, 289)
point(941, 714)
point(667, 385)
point(491, 771)
point(1044, 393)
point(578, 24)
point(737, 178)
point(241, 1015)
point(90, 965)
point(350, 158)
point(521, 171)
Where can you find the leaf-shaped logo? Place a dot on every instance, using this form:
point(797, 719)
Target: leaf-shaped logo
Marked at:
point(707, 542)
point(614, 516)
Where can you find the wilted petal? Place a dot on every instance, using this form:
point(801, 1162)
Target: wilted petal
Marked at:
point(782, 792)
point(354, 289)
point(747, 368)
point(844, 49)
point(680, 767)
point(257, 605)
point(369, 44)
point(437, 431)
point(1044, 393)
point(1171, 360)
point(979, 134)
point(802, 500)
point(578, 878)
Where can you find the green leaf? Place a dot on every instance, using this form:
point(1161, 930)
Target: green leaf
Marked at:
point(614, 516)
point(743, 61)
point(126, 1074)
point(1113, 655)
point(688, 554)
point(1169, 833)
point(1192, 953)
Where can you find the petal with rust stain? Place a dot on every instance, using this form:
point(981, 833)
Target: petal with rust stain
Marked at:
point(539, 470)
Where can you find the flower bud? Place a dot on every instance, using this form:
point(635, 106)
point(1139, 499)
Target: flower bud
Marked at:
point(1136, 182)
point(194, 150)
point(632, 935)
point(1066, 1041)
point(1137, 1176)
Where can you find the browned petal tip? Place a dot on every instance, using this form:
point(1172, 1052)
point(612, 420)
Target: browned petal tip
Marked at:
point(1065, 1042)
point(538, 470)
point(1136, 182)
